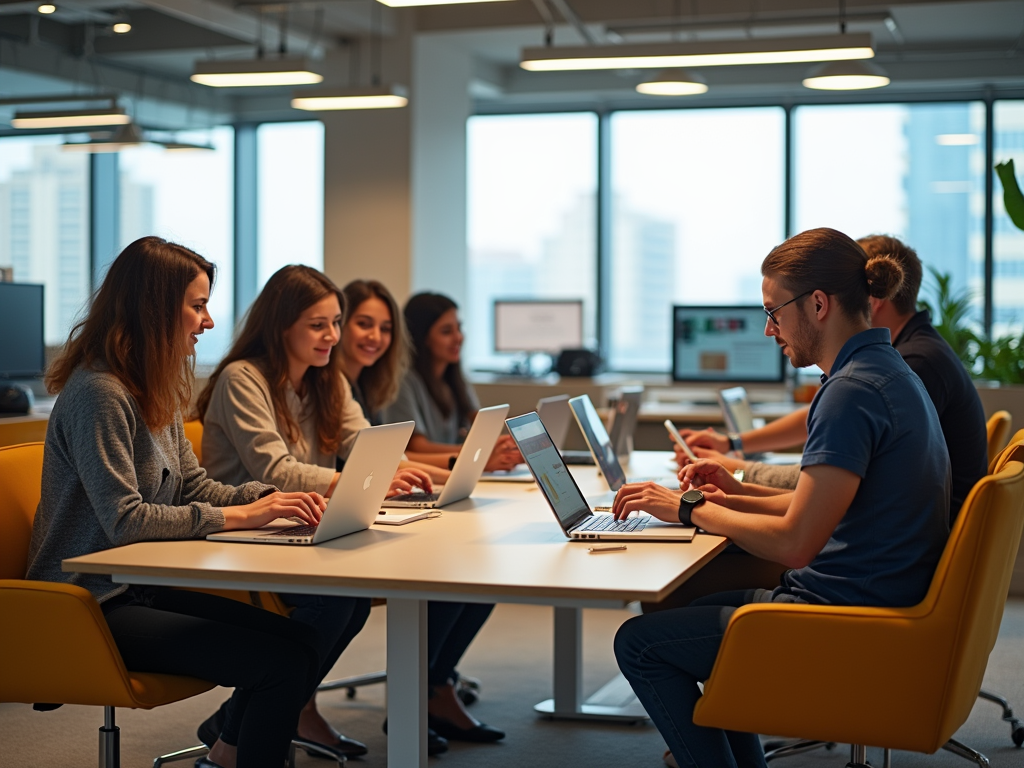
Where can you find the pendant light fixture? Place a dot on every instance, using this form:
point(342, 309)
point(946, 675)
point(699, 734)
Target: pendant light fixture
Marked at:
point(111, 114)
point(846, 75)
point(673, 82)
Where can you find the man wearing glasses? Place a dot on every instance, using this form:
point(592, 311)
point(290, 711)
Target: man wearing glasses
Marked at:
point(858, 529)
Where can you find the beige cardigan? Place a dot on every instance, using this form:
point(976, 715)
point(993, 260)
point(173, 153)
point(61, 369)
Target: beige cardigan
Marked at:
point(243, 441)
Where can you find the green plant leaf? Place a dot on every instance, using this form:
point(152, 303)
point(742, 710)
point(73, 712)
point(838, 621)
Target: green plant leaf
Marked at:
point(1013, 199)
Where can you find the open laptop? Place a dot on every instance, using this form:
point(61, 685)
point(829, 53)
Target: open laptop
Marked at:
point(623, 424)
point(355, 504)
point(468, 466)
point(557, 417)
point(739, 417)
point(603, 452)
point(574, 515)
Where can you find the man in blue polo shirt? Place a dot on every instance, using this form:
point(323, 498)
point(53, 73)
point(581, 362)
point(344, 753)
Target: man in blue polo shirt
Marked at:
point(867, 521)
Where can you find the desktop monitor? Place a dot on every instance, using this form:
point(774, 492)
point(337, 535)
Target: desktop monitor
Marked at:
point(22, 346)
point(723, 344)
point(538, 326)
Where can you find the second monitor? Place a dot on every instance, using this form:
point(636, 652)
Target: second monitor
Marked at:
point(723, 344)
point(537, 326)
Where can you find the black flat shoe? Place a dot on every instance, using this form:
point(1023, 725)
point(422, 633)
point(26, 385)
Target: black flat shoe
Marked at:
point(209, 730)
point(206, 762)
point(436, 745)
point(344, 749)
point(478, 734)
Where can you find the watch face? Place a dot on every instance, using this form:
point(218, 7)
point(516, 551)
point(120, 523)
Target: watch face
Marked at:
point(693, 496)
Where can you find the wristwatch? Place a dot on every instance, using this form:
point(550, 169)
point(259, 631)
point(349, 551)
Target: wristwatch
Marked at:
point(687, 502)
point(736, 442)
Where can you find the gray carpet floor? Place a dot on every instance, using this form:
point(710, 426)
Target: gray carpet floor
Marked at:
point(512, 656)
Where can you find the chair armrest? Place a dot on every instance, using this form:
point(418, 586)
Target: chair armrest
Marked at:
point(813, 671)
point(55, 647)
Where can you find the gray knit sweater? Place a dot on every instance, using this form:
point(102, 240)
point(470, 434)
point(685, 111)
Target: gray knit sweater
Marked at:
point(108, 481)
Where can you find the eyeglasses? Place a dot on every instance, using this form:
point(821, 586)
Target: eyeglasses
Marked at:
point(771, 312)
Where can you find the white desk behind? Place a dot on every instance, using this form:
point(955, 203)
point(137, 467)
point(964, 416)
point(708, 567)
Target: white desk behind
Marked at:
point(502, 545)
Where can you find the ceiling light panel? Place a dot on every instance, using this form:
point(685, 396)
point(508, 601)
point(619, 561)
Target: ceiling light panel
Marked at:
point(328, 100)
point(700, 54)
point(255, 73)
point(71, 118)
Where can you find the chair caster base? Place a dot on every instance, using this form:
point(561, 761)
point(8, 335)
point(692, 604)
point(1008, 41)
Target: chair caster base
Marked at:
point(777, 749)
point(966, 752)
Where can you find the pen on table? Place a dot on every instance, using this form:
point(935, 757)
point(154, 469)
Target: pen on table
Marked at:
point(606, 548)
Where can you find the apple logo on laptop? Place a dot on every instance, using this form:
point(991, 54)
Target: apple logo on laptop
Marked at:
point(367, 481)
point(476, 456)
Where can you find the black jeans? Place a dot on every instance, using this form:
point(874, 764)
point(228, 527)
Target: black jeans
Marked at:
point(271, 661)
point(451, 627)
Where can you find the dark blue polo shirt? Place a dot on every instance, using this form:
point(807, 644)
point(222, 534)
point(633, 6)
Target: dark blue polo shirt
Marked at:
point(873, 417)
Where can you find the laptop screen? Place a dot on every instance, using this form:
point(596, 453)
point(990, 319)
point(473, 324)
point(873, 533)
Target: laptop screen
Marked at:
point(736, 409)
point(598, 440)
point(547, 466)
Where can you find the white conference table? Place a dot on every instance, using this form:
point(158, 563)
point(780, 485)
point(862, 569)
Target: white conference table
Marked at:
point(502, 545)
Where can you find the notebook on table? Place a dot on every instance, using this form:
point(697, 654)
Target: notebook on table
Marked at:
point(469, 465)
point(571, 510)
point(357, 497)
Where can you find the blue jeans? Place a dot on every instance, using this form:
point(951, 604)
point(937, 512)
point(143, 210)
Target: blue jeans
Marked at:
point(664, 655)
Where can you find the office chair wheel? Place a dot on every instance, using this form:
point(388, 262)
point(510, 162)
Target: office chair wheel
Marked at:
point(1017, 732)
point(467, 689)
point(350, 693)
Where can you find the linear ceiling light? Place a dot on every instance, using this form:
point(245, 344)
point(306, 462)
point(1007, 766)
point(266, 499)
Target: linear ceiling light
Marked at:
point(673, 82)
point(701, 54)
point(325, 100)
point(70, 118)
point(125, 137)
point(411, 3)
point(847, 76)
point(255, 72)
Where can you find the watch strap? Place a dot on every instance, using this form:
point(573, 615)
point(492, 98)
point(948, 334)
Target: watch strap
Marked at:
point(736, 442)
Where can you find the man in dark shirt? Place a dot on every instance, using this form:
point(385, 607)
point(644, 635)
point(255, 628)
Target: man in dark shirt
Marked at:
point(947, 381)
point(867, 521)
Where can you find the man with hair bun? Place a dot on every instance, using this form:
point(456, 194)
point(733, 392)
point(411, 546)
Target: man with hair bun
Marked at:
point(858, 529)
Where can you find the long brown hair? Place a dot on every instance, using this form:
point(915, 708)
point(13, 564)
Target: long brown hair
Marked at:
point(134, 328)
point(827, 260)
point(421, 312)
point(288, 293)
point(381, 381)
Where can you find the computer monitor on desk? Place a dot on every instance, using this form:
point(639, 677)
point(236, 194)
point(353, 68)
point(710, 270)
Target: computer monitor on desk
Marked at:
point(22, 345)
point(524, 326)
point(723, 344)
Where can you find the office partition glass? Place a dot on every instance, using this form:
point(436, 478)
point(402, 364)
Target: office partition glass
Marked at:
point(532, 220)
point(187, 197)
point(696, 204)
point(44, 225)
point(1008, 241)
point(915, 171)
point(290, 196)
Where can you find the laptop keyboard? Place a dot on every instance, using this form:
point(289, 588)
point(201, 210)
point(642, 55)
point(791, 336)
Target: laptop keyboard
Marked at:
point(608, 524)
point(414, 497)
point(297, 530)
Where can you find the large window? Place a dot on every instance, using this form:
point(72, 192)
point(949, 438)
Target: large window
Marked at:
point(290, 167)
point(187, 197)
point(44, 225)
point(915, 171)
point(531, 219)
point(1008, 241)
point(696, 204)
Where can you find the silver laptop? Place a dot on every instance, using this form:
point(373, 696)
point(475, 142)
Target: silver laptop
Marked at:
point(574, 515)
point(739, 417)
point(557, 417)
point(487, 425)
point(624, 416)
point(364, 482)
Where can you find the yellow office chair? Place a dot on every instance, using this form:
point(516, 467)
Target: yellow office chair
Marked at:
point(55, 646)
point(17, 431)
point(909, 676)
point(194, 434)
point(998, 427)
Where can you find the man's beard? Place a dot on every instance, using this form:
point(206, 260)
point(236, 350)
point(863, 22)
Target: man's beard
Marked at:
point(804, 344)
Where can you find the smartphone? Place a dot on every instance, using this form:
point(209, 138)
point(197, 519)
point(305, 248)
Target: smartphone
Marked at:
point(674, 434)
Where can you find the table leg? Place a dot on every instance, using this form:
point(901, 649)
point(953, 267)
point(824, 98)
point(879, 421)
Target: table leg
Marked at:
point(613, 702)
point(407, 683)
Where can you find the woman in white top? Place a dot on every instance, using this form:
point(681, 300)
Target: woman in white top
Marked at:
point(278, 409)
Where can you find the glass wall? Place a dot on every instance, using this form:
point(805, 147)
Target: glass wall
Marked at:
point(290, 168)
point(532, 190)
point(1008, 241)
point(696, 204)
point(44, 225)
point(915, 171)
point(187, 197)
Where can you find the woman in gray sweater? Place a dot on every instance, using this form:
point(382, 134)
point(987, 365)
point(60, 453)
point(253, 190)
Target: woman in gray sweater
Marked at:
point(117, 469)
